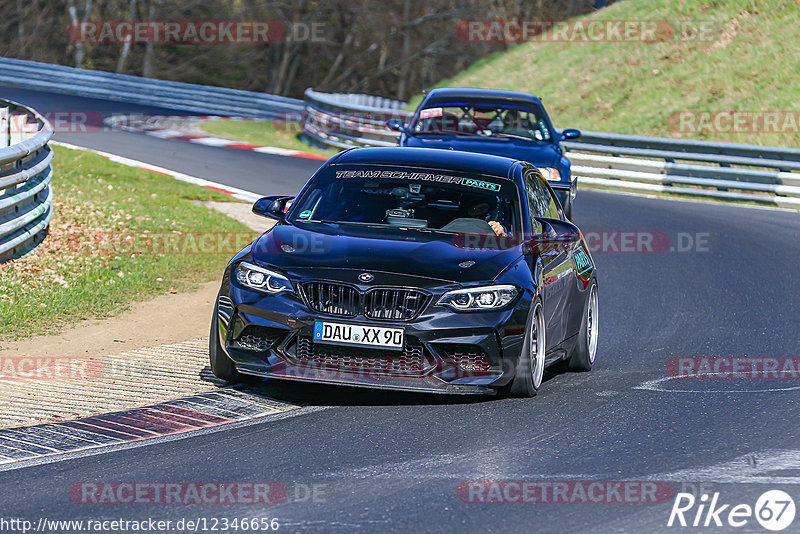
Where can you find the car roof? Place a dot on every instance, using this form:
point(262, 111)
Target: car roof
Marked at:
point(466, 93)
point(429, 158)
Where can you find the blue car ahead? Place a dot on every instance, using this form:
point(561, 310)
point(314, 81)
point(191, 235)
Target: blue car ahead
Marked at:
point(504, 123)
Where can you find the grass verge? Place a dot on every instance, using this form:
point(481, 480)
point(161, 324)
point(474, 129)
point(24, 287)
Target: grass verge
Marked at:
point(265, 133)
point(118, 235)
point(725, 55)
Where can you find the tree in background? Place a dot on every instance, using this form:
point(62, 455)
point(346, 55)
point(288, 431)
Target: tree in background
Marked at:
point(392, 47)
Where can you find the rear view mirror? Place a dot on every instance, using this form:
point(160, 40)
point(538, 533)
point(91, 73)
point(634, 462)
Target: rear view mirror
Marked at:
point(274, 207)
point(396, 125)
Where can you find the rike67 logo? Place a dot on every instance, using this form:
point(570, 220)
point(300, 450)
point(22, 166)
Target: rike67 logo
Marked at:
point(774, 510)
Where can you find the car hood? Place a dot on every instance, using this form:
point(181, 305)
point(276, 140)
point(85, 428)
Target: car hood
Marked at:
point(438, 257)
point(542, 155)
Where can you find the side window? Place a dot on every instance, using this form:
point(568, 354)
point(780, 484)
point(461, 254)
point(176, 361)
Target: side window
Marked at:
point(553, 210)
point(539, 202)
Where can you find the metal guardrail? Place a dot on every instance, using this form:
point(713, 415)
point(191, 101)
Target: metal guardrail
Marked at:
point(724, 171)
point(26, 198)
point(345, 120)
point(203, 99)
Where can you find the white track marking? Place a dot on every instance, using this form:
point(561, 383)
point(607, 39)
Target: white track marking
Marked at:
point(276, 150)
point(165, 134)
point(212, 141)
point(655, 385)
point(241, 194)
point(755, 468)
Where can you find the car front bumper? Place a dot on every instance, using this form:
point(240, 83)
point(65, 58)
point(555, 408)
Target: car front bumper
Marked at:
point(444, 351)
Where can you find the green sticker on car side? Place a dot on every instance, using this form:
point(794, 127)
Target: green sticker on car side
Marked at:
point(583, 264)
point(304, 214)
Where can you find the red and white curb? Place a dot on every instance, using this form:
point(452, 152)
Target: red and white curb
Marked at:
point(240, 194)
point(181, 416)
point(149, 126)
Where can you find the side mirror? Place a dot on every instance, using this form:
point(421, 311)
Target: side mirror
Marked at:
point(558, 230)
point(396, 125)
point(570, 133)
point(547, 228)
point(274, 207)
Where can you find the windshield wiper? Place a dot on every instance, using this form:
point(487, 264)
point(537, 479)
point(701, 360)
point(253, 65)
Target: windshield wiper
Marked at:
point(511, 136)
point(352, 223)
point(468, 134)
point(371, 225)
point(417, 134)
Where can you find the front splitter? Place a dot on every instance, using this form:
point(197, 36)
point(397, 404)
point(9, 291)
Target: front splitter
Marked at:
point(408, 384)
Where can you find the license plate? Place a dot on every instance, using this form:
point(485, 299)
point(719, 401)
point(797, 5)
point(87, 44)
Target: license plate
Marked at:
point(351, 334)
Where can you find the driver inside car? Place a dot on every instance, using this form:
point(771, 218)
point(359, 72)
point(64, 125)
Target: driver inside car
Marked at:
point(515, 124)
point(480, 209)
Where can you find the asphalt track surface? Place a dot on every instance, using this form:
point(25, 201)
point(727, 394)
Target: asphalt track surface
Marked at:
point(390, 462)
point(266, 173)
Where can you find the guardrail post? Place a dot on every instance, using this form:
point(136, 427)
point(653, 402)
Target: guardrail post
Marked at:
point(16, 129)
point(5, 128)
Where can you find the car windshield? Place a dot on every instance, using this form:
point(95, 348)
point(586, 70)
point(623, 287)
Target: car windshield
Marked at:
point(407, 198)
point(525, 120)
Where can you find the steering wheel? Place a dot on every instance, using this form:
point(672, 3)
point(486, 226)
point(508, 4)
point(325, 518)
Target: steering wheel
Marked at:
point(465, 225)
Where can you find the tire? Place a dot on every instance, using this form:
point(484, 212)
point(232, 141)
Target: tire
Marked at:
point(530, 367)
point(221, 365)
point(585, 351)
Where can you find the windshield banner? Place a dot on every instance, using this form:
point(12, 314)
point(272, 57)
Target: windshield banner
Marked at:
point(428, 177)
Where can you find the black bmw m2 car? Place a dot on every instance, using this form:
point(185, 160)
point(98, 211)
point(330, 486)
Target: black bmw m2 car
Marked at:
point(411, 269)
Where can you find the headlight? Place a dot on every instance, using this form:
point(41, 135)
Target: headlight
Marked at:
point(479, 298)
point(262, 279)
point(551, 174)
